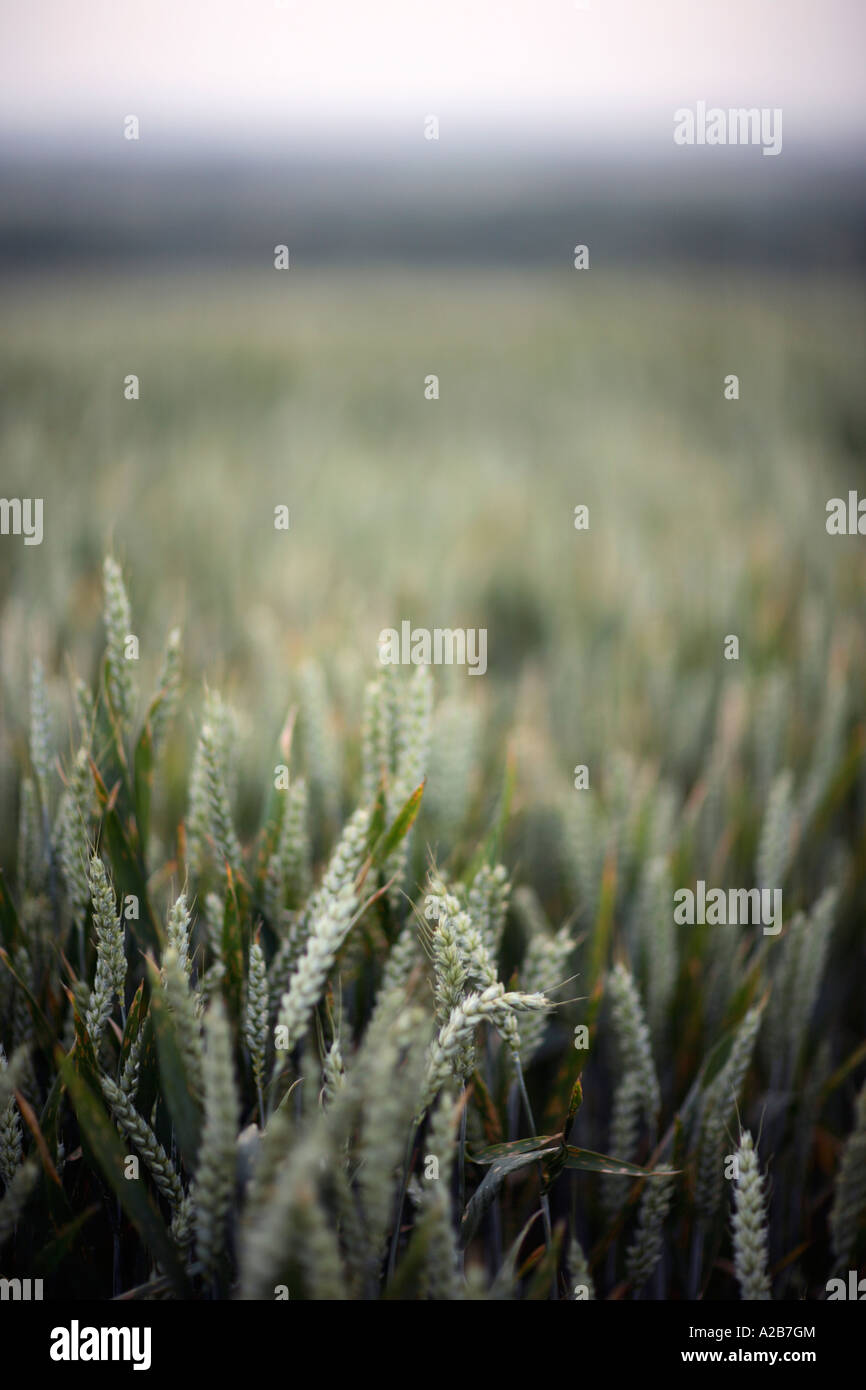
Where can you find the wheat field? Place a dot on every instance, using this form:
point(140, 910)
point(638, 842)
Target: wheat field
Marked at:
point(322, 979)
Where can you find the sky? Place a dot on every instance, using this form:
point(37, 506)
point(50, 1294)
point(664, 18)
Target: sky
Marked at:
point(273, 73)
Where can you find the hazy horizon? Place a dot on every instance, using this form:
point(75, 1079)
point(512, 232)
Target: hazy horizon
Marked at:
point(570, 72)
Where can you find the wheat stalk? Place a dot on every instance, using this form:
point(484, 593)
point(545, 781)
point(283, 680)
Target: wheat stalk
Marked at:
point(110, 955)
point(849, 1198)
point(215, 1176)
point(750, 1224)
point(118, 624)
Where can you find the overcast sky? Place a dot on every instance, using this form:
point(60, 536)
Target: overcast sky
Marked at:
point(270, 72)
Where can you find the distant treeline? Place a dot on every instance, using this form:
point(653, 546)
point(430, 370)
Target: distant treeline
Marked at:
point(724, 207)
